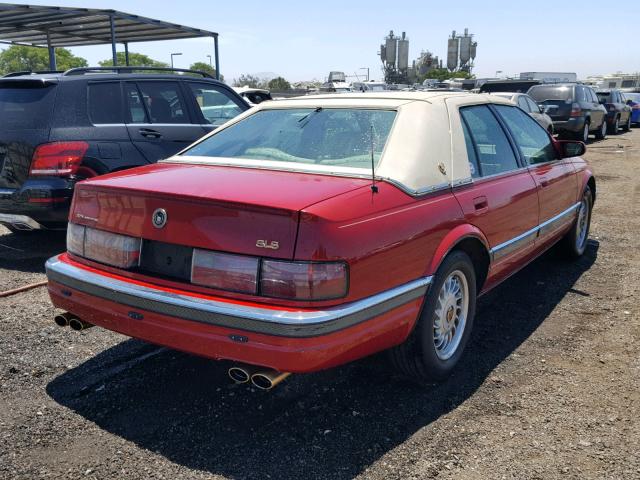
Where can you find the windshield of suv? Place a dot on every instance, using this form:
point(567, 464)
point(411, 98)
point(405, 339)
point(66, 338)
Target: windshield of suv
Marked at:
point(26, 105)
point(543, 93)
point(332, 137)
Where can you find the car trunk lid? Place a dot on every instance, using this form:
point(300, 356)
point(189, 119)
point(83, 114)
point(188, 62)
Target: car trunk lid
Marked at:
point(230, 209)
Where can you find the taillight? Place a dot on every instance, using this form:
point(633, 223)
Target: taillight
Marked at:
point(303, 280)
point(576, 111)
point(109, 248)
point(58, 158)
point(225, 271)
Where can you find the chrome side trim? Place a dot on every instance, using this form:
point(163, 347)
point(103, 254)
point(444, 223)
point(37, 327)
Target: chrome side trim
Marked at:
point(299, 323)
point(20, 222)
point(523, 239)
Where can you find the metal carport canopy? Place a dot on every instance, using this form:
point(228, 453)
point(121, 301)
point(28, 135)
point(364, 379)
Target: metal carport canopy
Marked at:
point(51, 27)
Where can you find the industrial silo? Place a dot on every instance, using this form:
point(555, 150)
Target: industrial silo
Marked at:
point(403, 53)
point(452, 52)
point(391, 45)
point(465, 48)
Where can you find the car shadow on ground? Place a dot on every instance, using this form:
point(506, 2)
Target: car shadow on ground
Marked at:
point(27, 252)
point(331, 424)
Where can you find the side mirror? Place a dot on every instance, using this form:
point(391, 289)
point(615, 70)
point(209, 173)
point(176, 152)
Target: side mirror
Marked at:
point(570, 148)
point(542, 108)
point(629, 102)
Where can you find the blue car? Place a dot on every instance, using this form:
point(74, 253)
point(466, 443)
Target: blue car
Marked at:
point(635, 106)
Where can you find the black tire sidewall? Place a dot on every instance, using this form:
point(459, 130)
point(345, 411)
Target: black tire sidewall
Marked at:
point(436, 368)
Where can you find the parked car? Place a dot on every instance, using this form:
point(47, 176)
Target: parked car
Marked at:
point(59, 128)
point(526, 103)
point(310, 232)
point(633, 100)
point(253, 96)
point(574, 109)
point(618, 112)
point(512, 85)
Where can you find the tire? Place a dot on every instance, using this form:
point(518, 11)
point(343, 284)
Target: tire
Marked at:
point(575, 241)
point(426, 357)
point(601, 134)
point(615, 126)
point(627, 126)
point(583, 136)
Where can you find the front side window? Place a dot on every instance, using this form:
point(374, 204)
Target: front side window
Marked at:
point(217, 107)
point(493, 149)
point(534, 142)
point(330, 137)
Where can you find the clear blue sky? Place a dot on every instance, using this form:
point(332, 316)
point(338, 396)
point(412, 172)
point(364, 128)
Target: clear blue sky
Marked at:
point(302, 40)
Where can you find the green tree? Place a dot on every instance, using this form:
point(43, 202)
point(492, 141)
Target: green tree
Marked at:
point(442, 74)
point(247, 80)
point(205, 67)
point(19, 58)
point(279, 84)
point(135, 60)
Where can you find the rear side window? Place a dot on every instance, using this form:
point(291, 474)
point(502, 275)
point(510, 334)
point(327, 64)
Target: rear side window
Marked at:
point(26, 106)
point(216, 105)
point(105, 103)
point(522, 103)
point(471, 152)
point(493, 149)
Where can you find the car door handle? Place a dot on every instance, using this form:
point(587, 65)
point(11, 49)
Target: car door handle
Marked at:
point(149, 133)
point(480, 203)
point(544, 183)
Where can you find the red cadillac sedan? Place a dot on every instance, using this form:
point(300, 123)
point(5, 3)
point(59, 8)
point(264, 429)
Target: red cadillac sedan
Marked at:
point(310, 232)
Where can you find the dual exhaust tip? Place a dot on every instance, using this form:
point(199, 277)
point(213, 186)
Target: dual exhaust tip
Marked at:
point(70, 320)
point(262, 379)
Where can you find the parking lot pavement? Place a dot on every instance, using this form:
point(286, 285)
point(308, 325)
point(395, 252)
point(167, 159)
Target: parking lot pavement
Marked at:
point(548, 387)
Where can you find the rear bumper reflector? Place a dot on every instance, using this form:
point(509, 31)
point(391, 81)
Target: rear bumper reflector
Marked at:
point(288, 323)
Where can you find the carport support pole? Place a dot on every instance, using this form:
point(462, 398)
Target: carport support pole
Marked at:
point(52, 54)
point(126, 54)
point(215, 46)
point(113, 41)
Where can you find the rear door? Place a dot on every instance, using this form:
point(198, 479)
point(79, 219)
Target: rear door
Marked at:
point(502, 200)
point(158, 118)
point(598, 111)
point(26, 108)
point(555, 179)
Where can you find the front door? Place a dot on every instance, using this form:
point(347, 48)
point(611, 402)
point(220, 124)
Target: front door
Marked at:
point(555, 179)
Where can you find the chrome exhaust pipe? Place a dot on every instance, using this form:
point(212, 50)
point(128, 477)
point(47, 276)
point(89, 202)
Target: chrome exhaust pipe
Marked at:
point(76, 324)
point(63, 319)
point(267, 379)
point(241, 373)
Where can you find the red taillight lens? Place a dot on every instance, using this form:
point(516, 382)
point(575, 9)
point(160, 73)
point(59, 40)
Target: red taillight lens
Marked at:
point(225, 271)
point(303, 281)
point(576, 111)
point(58, 159)
point(113, 249)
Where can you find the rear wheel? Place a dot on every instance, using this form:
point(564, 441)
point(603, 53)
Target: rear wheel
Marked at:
point(575, 241)
point(439, 338)
point(601, 133)
point(615, 126)
point(584, 135)
point(627, 126)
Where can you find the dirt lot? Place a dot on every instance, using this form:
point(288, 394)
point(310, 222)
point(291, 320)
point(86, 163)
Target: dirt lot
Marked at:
point(549, 387)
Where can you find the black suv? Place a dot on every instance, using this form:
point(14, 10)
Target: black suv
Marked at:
point(574, 109)
point(59, 128)
point(618, 112)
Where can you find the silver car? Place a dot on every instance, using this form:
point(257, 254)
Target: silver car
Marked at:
point(526, 103)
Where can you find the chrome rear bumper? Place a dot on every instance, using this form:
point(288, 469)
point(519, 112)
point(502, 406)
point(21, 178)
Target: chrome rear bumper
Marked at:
point(19, 222)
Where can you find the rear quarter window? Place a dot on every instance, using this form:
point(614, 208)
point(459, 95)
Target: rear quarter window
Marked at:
point(26, 106)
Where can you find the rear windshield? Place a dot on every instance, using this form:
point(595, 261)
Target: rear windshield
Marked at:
point(330, 137)
point(634, 97)
point(543, 93)
point(603, 96)
point(27, 106)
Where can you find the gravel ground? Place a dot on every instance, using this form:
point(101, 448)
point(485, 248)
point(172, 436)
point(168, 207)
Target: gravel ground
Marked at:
point(548, 388)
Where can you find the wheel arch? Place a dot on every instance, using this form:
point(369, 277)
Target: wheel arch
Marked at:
point(469, 239)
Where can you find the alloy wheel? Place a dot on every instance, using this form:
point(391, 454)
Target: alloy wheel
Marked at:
point(582, 224)
point(450, 315)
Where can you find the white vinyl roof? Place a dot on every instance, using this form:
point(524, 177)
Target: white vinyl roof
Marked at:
point(425, 150)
